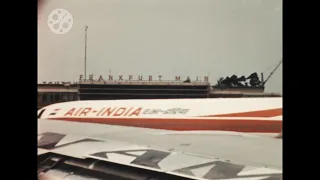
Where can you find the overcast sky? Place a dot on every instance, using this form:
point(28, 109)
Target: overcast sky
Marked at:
point(164, 37)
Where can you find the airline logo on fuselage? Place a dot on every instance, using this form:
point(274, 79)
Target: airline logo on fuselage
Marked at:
point(120, 111)
point(108, 111)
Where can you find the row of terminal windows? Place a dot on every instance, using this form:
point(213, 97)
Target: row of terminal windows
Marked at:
point(56, 97)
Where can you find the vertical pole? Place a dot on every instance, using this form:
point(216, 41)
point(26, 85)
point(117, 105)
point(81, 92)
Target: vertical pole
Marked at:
point(85, 53)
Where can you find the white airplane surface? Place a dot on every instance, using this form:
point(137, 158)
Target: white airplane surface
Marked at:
point(161, 139)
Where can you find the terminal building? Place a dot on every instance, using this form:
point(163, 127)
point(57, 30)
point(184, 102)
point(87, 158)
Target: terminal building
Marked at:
point(142, 90)
point(55, 93)
point(49, 93)
point(95, 90)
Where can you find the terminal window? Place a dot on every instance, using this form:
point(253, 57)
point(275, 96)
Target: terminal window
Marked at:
point(44, 97)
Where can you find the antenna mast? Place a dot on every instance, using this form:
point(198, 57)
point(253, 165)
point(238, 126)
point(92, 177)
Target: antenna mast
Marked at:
point(272, 72)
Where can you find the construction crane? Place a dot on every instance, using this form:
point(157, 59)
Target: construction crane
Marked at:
point(264, 82)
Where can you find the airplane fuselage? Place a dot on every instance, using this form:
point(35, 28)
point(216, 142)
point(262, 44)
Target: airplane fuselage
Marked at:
point(251, 115)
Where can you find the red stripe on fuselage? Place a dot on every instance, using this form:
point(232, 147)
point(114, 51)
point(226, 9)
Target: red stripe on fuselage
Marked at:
point(261, 113)
point(257, 126)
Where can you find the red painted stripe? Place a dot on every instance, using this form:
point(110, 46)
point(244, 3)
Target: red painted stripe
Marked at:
point(257, 126)
point(262, 113)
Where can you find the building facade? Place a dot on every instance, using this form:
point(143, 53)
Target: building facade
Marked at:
point(55, 93)
point(95, 90)
point(112, 90)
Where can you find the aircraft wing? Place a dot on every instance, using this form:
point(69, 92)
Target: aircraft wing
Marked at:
point(71, 150)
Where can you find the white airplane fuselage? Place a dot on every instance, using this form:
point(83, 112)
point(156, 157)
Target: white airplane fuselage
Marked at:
point(249, 115)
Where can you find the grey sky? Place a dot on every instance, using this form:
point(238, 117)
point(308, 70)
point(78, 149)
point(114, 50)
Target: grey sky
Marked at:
point(167, 37)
